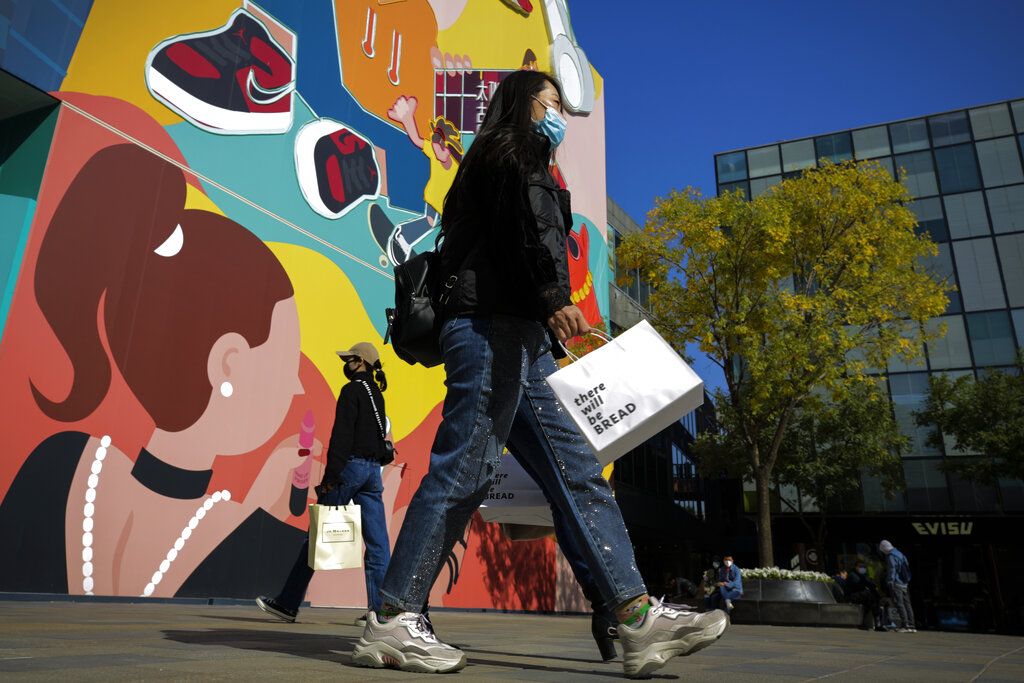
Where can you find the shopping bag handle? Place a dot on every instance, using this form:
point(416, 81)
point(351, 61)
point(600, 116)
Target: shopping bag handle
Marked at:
point(597, 333)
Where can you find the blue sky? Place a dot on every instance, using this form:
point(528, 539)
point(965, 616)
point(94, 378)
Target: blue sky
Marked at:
point(685, 80)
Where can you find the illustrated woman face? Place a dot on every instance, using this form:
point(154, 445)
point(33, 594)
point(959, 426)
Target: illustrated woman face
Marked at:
point(253, 386)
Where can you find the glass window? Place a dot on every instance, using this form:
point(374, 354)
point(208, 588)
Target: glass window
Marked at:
point(798, 155)
point(972, 497)
point(1011, 257)
point(908, 396)
point(976, 267)
point(897, 364)
point(836, 147)
point(950, 351)
point(929, 217)
point(957, 170)
point(920, 180)
point(1000, 162)
point(732, 187)
point(763, 161)
point(965, 214)
point(886, 162)
point(991, 339)
point(940, 266)
point(1006, 204)
point(1018, 325)
point(949, 129)
point(871, 142)
point(1018, 114)
point(991, 121)
point(1013, 494)
point(926, 485)
point(731, 166)
point(874, 496)
point(908, 136)
point(760, 185)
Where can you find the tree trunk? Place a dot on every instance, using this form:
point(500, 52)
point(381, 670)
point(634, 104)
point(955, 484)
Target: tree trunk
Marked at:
point(762, 479)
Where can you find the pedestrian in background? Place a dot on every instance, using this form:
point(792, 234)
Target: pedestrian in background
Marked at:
point(730, 584)
point(897, 577)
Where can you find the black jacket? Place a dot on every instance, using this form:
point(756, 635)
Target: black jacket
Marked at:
point(506, 245)
point(355, 432)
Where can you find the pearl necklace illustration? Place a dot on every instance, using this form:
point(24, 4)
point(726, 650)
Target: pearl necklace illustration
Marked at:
point(87, 526)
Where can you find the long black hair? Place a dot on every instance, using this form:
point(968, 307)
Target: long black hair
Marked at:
point(506, 151)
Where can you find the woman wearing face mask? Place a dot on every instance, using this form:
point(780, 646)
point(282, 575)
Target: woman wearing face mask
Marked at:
point(731, 586)
point(351, 475)
point(709, 583)
point(504, 254)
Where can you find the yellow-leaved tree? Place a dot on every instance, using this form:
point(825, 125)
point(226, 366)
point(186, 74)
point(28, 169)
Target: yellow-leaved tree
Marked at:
point(805, 287)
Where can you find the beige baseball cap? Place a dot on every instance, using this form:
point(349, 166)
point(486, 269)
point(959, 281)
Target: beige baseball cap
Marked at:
point(363, 351)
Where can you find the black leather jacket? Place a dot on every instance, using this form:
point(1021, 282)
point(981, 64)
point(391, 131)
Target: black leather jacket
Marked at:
point(507, 247)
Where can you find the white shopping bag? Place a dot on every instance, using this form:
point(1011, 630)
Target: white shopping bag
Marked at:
point(335, 537)
point(515, 498)
point(627, 391)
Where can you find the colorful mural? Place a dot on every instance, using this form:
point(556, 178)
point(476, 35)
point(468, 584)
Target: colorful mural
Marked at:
point(226, 191)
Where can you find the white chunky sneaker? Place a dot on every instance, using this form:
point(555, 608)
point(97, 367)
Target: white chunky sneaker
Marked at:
point(405, 642)
point(667, 631)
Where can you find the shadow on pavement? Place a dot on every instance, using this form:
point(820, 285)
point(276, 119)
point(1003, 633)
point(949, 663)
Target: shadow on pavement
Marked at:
point(312, 646)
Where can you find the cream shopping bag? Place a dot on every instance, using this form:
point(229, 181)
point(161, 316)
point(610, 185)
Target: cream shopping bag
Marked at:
point(335, 537)
point(627, 391)
point(514, 498)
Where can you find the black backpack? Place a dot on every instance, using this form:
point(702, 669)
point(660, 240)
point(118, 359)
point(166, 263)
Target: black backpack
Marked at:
point(412, 323)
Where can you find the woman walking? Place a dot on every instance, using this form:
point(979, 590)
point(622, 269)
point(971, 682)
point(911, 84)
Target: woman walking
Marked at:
point(505, 224)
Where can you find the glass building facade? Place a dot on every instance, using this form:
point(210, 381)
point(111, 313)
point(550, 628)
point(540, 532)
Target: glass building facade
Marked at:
point(965, 171)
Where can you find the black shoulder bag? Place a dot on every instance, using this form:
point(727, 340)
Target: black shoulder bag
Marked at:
point(412, 323)
point(388, 451)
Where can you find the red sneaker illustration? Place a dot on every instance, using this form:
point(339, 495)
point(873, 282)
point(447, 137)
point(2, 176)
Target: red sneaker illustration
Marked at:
point(233, 80)
point(335, 166)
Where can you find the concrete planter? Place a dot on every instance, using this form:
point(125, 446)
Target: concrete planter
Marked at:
point(792, 603)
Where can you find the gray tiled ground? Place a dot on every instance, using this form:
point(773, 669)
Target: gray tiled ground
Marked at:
point(106, 641)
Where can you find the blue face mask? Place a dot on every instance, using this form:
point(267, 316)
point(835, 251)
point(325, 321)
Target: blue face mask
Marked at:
point(552, 125)
point(862, 570)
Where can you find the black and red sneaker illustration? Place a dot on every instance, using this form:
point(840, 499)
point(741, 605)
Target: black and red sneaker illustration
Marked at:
point(233, 80)
point(335, 166)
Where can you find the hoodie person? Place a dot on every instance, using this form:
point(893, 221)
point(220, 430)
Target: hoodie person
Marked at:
point(897, 575)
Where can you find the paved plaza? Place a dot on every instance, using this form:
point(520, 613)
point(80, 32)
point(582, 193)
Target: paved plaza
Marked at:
point(150, 640)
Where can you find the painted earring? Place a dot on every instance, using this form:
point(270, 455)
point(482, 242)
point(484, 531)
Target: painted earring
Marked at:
point(226, 389)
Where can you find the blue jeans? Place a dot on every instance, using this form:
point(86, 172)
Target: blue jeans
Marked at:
point(496, 370)
point(361, 485)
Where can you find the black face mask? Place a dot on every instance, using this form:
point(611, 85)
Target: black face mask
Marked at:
point(349, 372)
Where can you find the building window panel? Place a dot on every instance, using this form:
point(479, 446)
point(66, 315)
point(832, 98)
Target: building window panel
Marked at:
point(951, 350)
point(976, 266)
point(957, 170)
point(990, 122)
point(991, 339)
point(929, 217)
point(972, 497)
point(908, 396)
point(926, 485)
point(1000, 162)
point(759, 186)
point(940, 266)
point(1006, 204)
point(797, 155)
point(1018, 325)
point(763, 161)
point(1018, 114)
point(908, 136)
point(949, 129)
point(965, 215)
point(874, 496)
point(897, 364)
point(731, 167)
point(1012, 491)
point(732, 187)
point(920, 178)
point(869, 143)
point(1011, 258)
point(836, 147)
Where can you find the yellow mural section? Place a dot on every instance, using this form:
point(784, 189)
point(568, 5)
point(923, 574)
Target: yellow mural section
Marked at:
point(332, 318)
point(111, 54)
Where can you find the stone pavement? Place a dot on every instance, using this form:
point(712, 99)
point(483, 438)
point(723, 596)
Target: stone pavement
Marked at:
point(100, 640)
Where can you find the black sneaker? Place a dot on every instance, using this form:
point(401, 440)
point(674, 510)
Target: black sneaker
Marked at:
point(271, 606)
point(336, 167)
point(233, 79)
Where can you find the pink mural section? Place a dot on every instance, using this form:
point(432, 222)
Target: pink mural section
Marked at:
point(227, 190)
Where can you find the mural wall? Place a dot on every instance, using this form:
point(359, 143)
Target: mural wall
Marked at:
point(226, 191)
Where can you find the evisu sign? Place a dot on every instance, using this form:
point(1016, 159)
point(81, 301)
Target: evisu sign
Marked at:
point(943, 528)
